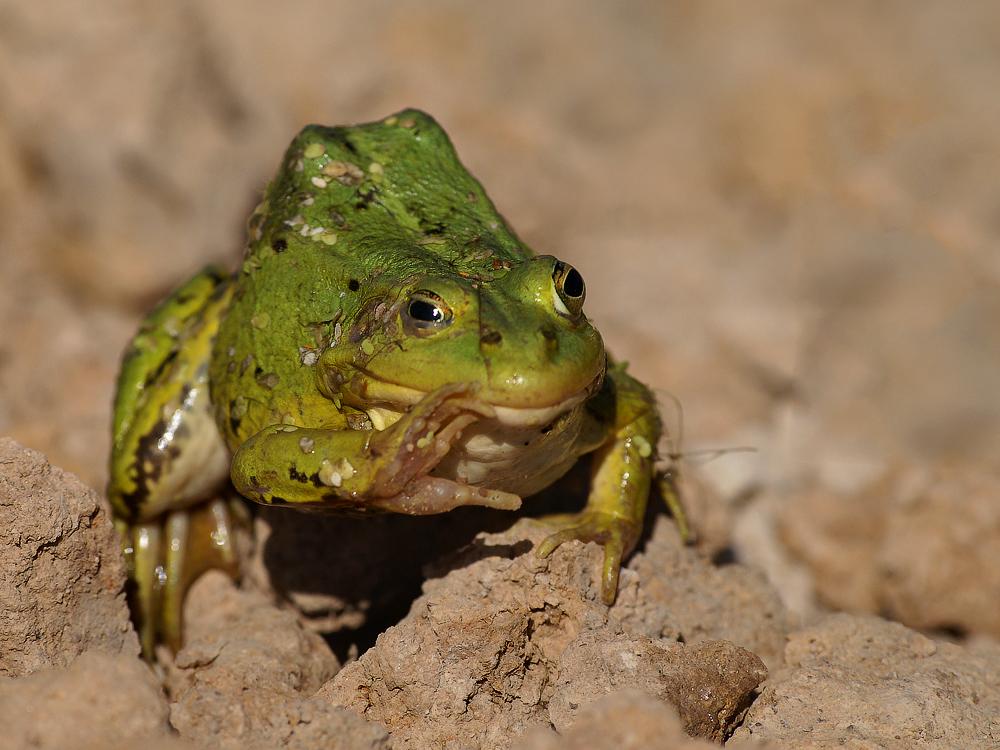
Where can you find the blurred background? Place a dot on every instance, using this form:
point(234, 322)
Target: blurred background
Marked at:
point(788, 215)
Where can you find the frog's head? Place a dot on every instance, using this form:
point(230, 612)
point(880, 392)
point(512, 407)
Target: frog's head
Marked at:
point(434, 287)
point(521, 340)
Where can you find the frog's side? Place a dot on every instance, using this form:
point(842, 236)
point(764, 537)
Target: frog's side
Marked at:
point(388, 344)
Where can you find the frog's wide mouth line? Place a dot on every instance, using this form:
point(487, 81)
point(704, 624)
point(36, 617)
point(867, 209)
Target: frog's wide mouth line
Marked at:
point(376, 391)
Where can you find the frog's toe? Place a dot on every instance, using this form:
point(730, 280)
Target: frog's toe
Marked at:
point(617, 535)
point(142, 546)
point(426, 495)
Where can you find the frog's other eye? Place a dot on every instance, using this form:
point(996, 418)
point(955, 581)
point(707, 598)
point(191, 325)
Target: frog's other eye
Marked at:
point(427, 312)
point(569, 289)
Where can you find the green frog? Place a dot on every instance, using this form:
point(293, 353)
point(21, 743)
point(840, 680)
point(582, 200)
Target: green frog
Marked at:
point(388, 345)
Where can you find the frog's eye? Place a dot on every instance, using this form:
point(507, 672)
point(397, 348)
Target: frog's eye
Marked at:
point(569, 289)
point(427, 312)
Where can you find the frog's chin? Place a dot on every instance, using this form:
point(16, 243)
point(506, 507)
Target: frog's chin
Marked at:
point(385, 402)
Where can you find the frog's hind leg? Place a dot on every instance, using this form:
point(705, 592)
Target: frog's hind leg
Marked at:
point(168, 458)
point(166, 555)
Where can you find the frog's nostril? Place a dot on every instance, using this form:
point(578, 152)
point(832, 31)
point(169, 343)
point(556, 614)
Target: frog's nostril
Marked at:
point(490, 337)
point(550, 336)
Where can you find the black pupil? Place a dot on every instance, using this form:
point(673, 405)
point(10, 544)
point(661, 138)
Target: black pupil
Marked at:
point(425, 311)
point(573, 283)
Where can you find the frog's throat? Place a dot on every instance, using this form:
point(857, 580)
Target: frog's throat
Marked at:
point(389, 400)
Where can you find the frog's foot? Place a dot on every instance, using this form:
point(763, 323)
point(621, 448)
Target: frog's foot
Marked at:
point(618, 536)
point(166, 555)
point(427, 495)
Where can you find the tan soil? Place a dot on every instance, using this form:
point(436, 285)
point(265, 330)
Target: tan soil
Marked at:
point(787, 217)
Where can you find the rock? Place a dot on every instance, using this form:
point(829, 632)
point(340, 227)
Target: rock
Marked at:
point(920, 546)
point(940, 551)
point(710, 684)
point(99, 701)
point(623, 720)
point(668, 591)
point(478, 660)
point(62, 576)
point(246, 674)
point(837, 537)
point(867, 683)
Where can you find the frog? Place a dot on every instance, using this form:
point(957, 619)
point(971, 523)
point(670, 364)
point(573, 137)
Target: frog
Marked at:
point(387, 345)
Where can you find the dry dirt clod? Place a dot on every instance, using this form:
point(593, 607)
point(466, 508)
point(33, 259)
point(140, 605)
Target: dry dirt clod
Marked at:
point(868, 683)
point(503, 641)
point(62, 578)
point(920, 546)
point(669, 591)
point(710, 684)
point(246, 674)
point(100, 701)
point(623, 720)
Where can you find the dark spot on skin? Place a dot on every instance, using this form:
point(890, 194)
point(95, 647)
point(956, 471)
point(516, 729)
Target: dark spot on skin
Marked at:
point(146, 452)
point(491, 337)
point(155, 374)
point(338, 219)
point(234, 420)
point(338, 136)
point(268, 380)
point(150, 461)
point(354, 285)
point(258, 371)
point(297, 476)
point(527, 443)
point(257, 488)
point(275, 500)
point(280, 245)
point(245, 363)
point(365, 199)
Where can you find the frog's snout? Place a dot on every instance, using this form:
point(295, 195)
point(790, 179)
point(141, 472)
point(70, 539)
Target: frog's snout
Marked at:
point(547, 341)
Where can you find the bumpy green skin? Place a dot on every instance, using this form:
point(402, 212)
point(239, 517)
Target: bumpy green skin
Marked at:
point(407, 214)
point(328, 393)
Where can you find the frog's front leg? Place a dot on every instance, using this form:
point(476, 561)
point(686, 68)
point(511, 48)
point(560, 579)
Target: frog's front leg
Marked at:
point(622, 475)
point(379, 470)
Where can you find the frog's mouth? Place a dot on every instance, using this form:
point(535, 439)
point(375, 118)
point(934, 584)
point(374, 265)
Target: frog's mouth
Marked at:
point(385, 401)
